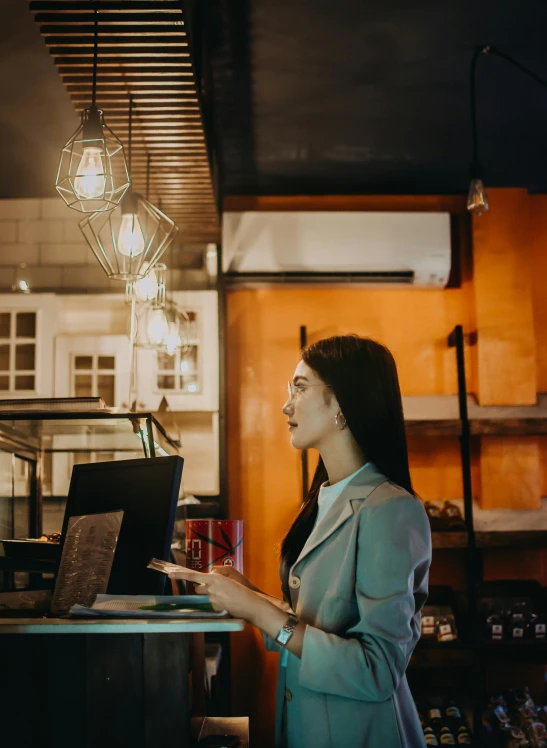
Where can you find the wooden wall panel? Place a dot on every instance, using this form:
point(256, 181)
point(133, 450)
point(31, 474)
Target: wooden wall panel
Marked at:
point(503, 301)
point(510, 473)
point(538, 248)
point(435, 466)
point(538, 245)
point(506, 348)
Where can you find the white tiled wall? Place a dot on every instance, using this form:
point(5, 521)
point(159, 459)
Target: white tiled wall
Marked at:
point(41, 242)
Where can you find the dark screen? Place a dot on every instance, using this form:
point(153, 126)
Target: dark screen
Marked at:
point(147, 490)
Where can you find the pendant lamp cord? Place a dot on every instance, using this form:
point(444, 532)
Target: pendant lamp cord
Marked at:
point(148, 160)
point(487, 50)
point(517, 64)
point(95, 52)
point(475, 167)
point(130, 132)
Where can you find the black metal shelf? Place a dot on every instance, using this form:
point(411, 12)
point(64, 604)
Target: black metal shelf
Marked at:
point(479, 654)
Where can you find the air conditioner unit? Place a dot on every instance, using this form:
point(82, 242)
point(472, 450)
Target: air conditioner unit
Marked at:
point(389, 249)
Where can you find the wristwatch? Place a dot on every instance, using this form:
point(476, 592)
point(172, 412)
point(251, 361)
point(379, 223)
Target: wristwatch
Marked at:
point(287, 631)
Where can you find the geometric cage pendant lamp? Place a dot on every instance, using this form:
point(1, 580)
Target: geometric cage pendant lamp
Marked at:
point(129, 240)
point(93, 174)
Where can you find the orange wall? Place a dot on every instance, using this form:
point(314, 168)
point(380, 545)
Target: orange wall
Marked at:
point(263, 349)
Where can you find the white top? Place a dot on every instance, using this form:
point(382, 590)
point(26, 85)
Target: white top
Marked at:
point(328, 494)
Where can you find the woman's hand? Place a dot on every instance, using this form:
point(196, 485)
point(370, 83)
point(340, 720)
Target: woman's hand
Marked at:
point(236, 576)
point(241, 602)
point(224, 593)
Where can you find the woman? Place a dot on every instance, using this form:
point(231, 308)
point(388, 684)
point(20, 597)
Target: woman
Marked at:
point(354, 564)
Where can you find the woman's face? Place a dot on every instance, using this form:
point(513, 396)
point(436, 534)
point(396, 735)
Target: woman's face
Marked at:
point(310, 414)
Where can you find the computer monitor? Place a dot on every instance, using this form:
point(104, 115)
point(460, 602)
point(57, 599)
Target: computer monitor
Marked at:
point(147, 490)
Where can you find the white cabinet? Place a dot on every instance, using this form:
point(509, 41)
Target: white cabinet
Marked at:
point(187, 379)
point(93, 366)
point(27, 332)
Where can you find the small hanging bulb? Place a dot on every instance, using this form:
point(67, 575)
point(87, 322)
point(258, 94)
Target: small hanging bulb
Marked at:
point(130, 236)
point(157, 328)
point(89, 183)
point(172, 340)
point(477, 199)
point(146, 288)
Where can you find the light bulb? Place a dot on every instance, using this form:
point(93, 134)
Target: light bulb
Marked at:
point(172, 339)
point(477, 199)
point(90, 180)
point(146, 288)
point(172, 342)
point(130, 236)
point(157, 328)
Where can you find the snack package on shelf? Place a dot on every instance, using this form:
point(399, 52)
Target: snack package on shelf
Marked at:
point(445, 516)
point(513, 611)
point(515, 721)
point(439, 623)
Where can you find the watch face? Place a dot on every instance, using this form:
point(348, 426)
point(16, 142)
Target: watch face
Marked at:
point(283, 637)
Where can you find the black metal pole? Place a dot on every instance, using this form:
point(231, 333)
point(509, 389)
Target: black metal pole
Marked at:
point(150, 430)
point(304, 455)
point(477, 670)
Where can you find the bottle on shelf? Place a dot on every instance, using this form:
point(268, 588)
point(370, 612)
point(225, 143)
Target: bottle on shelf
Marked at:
point(452, 714)
point(447, 736)
point(430, 736)
point(464, 736)
point(435, 718)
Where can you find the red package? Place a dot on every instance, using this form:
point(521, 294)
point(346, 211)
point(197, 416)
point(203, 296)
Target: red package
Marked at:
point(214, 542)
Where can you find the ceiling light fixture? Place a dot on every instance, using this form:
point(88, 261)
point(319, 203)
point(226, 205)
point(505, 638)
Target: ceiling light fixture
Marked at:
point(129, 240)
point(93, 174)
point(166, 328)
point(477, 199)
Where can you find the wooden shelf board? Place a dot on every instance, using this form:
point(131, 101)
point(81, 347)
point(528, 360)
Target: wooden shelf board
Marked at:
point(512, 539)
point(495, 539)
point(431, 654)
point(449, 539)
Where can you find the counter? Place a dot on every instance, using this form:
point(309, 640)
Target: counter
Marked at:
point(98, 683)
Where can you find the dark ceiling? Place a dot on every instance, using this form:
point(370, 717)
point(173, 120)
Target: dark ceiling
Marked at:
point(37, 116)
point(319, 97)
point(316, 96)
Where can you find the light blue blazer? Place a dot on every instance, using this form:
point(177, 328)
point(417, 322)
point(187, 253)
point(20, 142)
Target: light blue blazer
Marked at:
point(359, 584)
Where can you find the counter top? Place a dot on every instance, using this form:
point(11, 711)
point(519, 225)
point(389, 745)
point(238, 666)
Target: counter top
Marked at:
point(118, 626)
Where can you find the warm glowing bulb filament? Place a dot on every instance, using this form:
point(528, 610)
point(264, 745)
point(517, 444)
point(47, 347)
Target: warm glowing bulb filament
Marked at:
point(130, 236)
point(89, 182)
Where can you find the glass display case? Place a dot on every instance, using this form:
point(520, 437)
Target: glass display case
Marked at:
point(38, 450)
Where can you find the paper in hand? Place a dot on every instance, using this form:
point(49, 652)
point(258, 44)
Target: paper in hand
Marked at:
point(165, 566)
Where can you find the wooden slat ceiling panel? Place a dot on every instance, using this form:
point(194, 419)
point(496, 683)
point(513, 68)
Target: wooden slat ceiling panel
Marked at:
point(142, 51)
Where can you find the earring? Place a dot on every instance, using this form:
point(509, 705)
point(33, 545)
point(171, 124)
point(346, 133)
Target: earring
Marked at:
point(340, 420)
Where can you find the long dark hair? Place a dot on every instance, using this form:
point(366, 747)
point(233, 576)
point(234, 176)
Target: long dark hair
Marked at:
point(362, 374)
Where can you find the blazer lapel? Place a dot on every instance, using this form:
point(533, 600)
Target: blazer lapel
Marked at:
point(343, 508)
